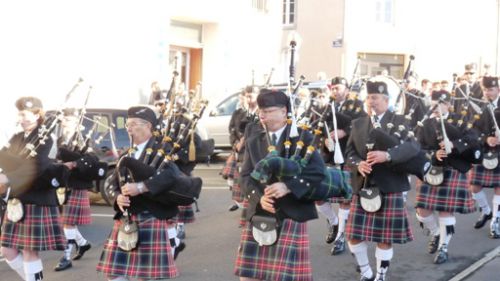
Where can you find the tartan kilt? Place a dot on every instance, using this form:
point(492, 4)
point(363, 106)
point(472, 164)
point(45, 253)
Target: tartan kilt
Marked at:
point(243, 217)
point(287, 260)
point(481, 176)
point(230, 168)
point(39, 230)
point(237, 193)
point(388, 225)
point(186, 214)
point(152, 259)
point(76, 211)
point(453, 195)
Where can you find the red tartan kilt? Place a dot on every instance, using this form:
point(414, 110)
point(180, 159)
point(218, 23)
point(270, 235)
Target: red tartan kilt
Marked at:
point(186, 214)
point(243, 217)
point(237, 193)
point(39, 230)
point(152, 259)
point(451, 196)
point(76, 211)
point(389, 225)
point(481, 176)
point(230, 168)
point(288, 259)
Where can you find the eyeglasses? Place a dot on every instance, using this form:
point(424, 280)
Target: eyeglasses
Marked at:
point(130, 124)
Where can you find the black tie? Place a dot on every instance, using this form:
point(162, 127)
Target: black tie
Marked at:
point(375, 119)
point(274, 139)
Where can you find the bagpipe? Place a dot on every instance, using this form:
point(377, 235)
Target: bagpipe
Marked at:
point(335, 183)
point(490, 157)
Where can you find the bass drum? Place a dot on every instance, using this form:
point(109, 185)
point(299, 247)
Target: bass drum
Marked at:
point(397, 99)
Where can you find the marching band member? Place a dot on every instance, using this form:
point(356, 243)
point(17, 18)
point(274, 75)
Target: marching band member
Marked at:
point(38, 227)
point(480, 176)
point(286, 257)
point(85, 168)
point(371, 163)
point(346, 110)
point(445, 192)
point(152, 258)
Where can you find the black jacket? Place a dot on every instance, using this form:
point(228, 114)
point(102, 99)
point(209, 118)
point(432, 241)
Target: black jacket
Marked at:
point(383, 175)
point(290, 206)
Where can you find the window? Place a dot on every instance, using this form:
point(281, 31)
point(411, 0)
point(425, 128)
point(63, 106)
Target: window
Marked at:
point(289, 12)
point(260, 5)
point(384, 11)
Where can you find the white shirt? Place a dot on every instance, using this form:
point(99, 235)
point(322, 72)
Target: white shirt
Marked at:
point(495, 103)
point(277, 133)
point(140, 148)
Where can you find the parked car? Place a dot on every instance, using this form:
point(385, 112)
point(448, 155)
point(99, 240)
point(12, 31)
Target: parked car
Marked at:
point(108, 150)
point(216, 123)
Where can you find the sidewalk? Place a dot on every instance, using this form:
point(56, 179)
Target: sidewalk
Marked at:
point(487, 268)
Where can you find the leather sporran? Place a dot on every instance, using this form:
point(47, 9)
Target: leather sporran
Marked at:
point(265, 230)
point(370, 199)
point(15, 210)
point(435, 176)
point(62, 195)
point(490, 160)
point(128, 234)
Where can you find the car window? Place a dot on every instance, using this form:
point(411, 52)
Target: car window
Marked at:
point(228, 106)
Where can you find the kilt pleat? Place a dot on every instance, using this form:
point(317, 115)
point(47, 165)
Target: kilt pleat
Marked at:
point(236, 192)
point(152, 259)
point(243, 216)
point(453, 195)
point(481, 176)
point(76, 211)
point(287, 260)
point(39, 230)
point(388, 225)
point(186, 214)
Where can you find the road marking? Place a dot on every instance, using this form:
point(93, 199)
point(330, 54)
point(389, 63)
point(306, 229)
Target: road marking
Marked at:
point(216, 187)
point(103, 215)
point(475, 266)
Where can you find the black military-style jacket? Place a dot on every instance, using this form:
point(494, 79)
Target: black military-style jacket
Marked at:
point(415, 103)
point(485, 125)
point(465, 142)
point(383, 175)
point(32, 179)
point(350, 110)
point(290, 206)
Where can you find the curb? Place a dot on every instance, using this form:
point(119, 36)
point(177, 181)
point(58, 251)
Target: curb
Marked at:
point(478, 264)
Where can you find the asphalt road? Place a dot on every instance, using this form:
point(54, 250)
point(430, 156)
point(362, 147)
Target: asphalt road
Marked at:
point(213, 239)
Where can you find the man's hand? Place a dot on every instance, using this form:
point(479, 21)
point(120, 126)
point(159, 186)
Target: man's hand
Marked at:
point(364, 168)
point(441, 154)
point(239, 145)
point(375, 157)
point(70, 165)
point(276, 190)
point(340, 133)
point(122, 201)
point(492, 141)
point(267, 203)
point(130, 189)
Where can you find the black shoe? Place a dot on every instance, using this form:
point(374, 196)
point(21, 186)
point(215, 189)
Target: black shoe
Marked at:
point(81, 251)
point(482, 220)
point(233, 208)
point(63, 264)
point(338, 246)
point(179, 249)
point(332, 233)
point(433, 244)
point(495, 229)
point(442, 256)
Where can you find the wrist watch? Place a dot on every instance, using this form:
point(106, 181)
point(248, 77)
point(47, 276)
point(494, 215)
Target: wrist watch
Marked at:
point(140, 187)
point(388, 156)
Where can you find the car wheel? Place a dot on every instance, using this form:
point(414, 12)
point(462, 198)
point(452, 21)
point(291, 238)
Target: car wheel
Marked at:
point(108, 192)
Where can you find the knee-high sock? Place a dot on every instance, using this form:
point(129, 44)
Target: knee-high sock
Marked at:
point(327, 211)
point(384, 258)
point(496, 206)
point(33, 270)
point(343, 215)
point(360, 252)
point(70, 234)
point(121, 278)
point(172, 235)
point(429, 223)
point(482, 202)
point(446, 230)
point(17, 265)
point(80, 241)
